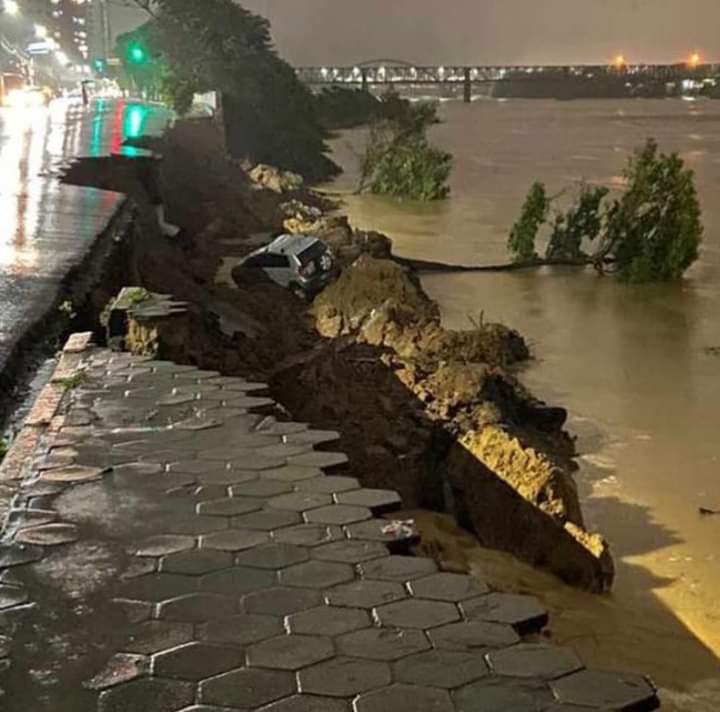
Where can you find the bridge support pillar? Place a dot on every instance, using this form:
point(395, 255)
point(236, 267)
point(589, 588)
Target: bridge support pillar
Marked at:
point(364, 73)
point(467, 86)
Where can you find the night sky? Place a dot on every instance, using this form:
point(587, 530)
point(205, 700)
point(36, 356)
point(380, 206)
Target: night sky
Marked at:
point(491, 31)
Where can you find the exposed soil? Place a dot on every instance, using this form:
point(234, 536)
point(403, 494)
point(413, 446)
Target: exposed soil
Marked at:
point(435, 414)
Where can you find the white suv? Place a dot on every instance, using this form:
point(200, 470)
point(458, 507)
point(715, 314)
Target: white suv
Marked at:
point(300, 263)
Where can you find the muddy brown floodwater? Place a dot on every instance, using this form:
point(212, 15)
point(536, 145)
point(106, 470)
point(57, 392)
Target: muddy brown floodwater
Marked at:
point(637, 366)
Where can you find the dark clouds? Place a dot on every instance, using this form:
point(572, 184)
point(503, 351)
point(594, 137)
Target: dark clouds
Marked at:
point(490, 31)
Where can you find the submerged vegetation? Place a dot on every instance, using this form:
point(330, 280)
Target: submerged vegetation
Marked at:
point(652, 232)
point(399, 160)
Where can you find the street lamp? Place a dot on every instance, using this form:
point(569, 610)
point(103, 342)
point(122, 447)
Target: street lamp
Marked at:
point(11, 7)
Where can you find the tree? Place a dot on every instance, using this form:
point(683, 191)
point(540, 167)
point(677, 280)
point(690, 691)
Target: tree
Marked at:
point(652, 232)
point(399, 160)
point(523, 234)
point(582, 221)
point(218, 45)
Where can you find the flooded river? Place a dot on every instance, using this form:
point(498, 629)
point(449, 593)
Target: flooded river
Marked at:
point(638, 367)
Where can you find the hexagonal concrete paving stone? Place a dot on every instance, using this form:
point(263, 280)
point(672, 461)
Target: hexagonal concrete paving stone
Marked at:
point(11, 596)
point(284, 450)
point(416, 613)
point(350, 551)
point(405, 698)
point(154, 636)
point(378, 501)
point(398, 568)
point(524, 613)
point(196, 661)
point(329, 620)
point(290, 652)
point(309, 534)
point(237, 581)
point(163, 545)
point(147, 694)
point(546, 662)
point(398, 536)
point(261, 488)
point(447, 669)
point(121, 668)
point(196, 562)
point(227, 477)
point(197, 607)
point(299, 501)
point(344, 677)
point(291, 473)
point(615, 691)
point(197, 525)
point(248, 688)
point(382, 643)
point(492, 694)
point(274, 556)
point(230, 506)
point(337, 514)
point(267, 520)
point(158, 587)
point(243, 629)
point(473, 636)
point(309, 703)
point(365, 594)
point(259, 462)
point(316, 574)
point(281, 601)
point(313, 437)
point(328, 484)
point(448, 587)
point(317, 458)
point(234, 539)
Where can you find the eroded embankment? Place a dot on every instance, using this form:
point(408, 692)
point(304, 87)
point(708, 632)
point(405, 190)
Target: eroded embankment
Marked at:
point(433, 413)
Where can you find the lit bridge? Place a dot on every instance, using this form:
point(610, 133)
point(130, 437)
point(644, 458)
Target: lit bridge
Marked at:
point(386, 72)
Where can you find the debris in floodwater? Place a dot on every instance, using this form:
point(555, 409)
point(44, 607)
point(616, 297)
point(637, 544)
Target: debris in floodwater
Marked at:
point(708, 512)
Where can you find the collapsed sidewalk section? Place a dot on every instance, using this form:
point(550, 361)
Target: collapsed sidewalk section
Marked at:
point(172, 545)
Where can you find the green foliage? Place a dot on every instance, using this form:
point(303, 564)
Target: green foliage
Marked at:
point(218, 45)
point(651, 233)
point(399, 161)
point(72, 382)
point(532, 216)
point(343, 108)
point(582, 221)
point(654, 230)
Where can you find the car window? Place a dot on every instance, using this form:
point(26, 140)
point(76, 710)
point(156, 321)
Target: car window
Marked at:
point(276, 261)
point(317, 249)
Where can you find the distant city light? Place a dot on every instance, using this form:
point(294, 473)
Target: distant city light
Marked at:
point(619, 62)
point(11, 7)
point(695, 60)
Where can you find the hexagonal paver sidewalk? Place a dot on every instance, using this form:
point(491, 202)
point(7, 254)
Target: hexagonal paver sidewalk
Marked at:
point(213, 561)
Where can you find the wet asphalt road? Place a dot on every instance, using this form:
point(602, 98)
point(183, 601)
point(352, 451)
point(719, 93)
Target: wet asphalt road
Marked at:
point(45, 227)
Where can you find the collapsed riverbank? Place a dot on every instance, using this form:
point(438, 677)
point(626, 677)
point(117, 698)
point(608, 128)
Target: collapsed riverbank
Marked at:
point(435, 414)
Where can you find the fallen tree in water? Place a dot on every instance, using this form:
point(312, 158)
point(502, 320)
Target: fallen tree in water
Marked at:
point(652, 232)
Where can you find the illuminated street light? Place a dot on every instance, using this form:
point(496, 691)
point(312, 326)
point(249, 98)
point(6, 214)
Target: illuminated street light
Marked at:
point(619, 62)
point(62, 58)
point(11, 7)
point(41, 31)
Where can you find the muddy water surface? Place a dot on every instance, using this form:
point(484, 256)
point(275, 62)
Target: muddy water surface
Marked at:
point(638, 367)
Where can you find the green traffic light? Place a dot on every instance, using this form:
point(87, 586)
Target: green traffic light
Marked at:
point(137, 55)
